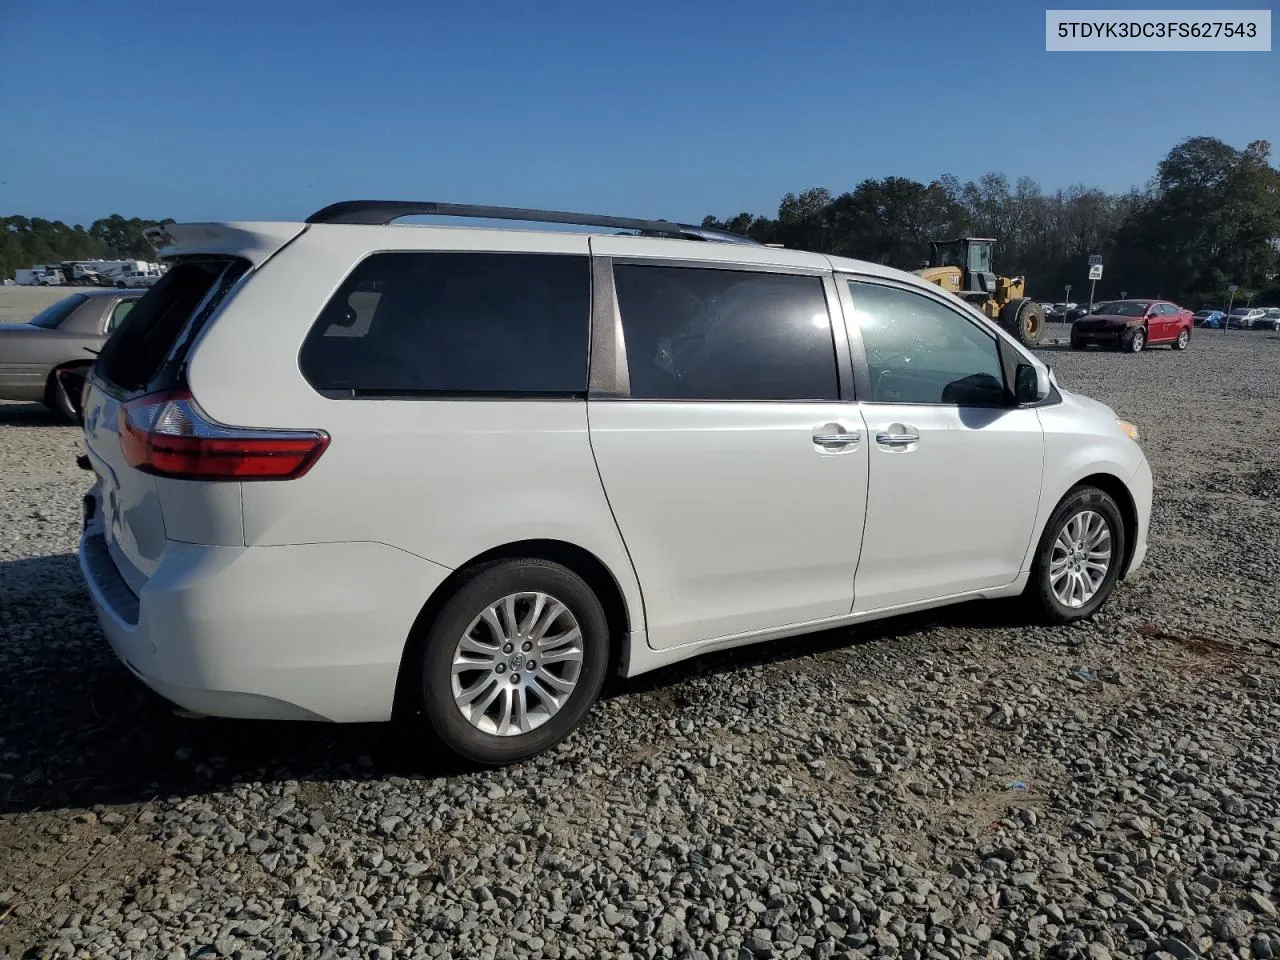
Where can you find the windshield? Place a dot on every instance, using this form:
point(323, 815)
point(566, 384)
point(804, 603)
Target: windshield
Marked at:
point(948, 255)
point(1124, 308)
point(980, 257)
point(1241, 311)
point(52, 316)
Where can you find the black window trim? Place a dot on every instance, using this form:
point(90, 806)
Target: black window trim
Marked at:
point(348, 394)
point(174, 366)
point(1008, 357)
point(610, 379)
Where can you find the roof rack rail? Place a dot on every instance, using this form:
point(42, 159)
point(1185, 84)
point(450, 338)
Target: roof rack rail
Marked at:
point(382, 212)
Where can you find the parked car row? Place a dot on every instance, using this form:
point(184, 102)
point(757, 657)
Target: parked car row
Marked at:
point(1241, 318)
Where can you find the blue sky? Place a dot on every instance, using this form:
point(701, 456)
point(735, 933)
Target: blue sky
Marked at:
point(274, 108)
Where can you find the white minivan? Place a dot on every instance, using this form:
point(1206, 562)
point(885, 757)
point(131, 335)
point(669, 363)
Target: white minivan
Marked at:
point(349, 468)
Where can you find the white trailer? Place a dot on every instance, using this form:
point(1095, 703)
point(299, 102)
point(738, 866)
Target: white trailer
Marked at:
point(40, 275)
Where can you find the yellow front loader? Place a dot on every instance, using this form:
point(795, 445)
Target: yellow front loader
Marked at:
point(963, 267)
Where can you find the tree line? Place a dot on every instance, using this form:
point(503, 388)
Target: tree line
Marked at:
point(1208, 218)
point(27, 241)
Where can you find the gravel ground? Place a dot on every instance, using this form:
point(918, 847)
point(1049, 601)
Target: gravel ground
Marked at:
point(951, 785)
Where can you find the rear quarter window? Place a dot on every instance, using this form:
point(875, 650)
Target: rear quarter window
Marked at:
point(454, 324)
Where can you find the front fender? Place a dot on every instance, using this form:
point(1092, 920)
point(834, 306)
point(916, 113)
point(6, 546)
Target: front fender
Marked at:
point(1075, 452)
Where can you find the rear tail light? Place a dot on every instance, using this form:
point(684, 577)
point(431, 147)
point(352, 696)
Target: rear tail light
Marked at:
point(167, 434)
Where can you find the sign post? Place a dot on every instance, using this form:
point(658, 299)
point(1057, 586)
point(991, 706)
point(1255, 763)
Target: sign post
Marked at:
point(1065, 301)
point(1226, 320)
point(1095, 274)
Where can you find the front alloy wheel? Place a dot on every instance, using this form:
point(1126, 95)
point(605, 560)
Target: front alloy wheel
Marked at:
point(1079, 558)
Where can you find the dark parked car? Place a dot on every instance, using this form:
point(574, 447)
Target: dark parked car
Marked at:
point(44, 358)
point(1058, 313)
point(1209, 318)
point(1133, 324)
point(1271, 321)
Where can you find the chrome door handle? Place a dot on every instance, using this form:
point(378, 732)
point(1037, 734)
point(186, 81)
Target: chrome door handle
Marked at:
point(837, 439)
point(897, 439)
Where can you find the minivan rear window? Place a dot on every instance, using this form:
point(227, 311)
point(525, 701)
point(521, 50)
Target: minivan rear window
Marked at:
point(149, 347)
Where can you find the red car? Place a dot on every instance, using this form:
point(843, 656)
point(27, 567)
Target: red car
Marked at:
point(1133, 324)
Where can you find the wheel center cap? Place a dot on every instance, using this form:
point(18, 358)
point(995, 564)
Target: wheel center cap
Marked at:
point(516, 661)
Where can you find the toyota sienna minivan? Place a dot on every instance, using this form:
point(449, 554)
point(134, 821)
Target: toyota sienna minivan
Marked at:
point(348, 467)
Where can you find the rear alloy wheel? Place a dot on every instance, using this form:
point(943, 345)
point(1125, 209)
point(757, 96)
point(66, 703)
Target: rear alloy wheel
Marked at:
point(1078, 560)
point(1134, 340)
point(514, 660)
point(1184, 338)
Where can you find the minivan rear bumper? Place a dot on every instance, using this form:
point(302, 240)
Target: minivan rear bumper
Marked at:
point(300, 632)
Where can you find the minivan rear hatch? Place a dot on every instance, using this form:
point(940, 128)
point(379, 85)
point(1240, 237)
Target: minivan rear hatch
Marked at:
point(148, 354)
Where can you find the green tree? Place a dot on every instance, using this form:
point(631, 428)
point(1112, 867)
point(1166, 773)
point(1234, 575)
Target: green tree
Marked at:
point(1211, 216)
point(1211, 220)
point(124, 238)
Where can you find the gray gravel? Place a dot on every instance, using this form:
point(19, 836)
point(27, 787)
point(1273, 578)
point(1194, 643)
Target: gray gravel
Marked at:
point(952, 785)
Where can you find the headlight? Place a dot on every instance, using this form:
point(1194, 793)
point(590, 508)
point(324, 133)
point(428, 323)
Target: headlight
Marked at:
point(1130, 430)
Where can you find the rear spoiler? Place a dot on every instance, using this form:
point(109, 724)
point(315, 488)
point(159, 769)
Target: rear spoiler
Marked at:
point(254, 241)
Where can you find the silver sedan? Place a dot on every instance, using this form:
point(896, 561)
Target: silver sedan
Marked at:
point(44, 358)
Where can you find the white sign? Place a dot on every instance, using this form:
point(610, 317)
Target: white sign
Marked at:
point(1141, 30)
point(1095, 260)
point(1095, 272)
point(1233, 288)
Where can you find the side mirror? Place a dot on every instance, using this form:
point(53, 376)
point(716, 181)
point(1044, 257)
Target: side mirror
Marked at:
point(1031, 383)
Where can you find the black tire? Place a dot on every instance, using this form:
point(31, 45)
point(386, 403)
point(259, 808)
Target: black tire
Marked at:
point(1184, 338)
point(487, 585)
point(1040, 588)
point(1024, 319)
point(63, 398)
point(1134, 340)
point(120, 284)
point(1078, 344)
